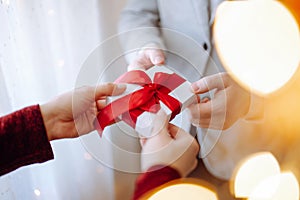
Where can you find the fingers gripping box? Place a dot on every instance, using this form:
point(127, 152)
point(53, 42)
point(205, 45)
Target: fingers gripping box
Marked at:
point(147, 92)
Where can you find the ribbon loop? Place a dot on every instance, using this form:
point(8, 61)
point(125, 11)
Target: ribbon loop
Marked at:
point(129, 107)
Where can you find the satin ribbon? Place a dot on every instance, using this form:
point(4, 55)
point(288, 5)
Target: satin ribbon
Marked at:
point(129, 107)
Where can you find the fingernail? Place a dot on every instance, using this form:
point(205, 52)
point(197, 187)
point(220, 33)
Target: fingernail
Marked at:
point(205, 99)
point(195, 87)
point(158, 60)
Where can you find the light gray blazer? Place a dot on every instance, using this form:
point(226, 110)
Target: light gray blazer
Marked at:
point(186, 36)
point(181, 27)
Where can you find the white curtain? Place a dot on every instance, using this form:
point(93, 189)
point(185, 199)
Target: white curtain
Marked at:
point(43, 46)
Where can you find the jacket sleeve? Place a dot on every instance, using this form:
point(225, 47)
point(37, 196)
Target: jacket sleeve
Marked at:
point(138, 26)
point(23, 139)
point(256, 108)
point(154, 177)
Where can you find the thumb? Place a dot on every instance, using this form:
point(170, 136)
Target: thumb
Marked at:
point(156, 56)
point(177, 132)
point(160, 123)
point(108, 89)
point(216, 81)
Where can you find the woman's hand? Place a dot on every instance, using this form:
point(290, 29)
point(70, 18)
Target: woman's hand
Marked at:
point(169, 146)
point(72, 114)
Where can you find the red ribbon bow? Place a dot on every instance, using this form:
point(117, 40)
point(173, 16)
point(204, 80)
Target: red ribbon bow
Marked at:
point(131, 106)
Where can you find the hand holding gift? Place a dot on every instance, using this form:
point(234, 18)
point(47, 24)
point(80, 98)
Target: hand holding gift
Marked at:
point(149, 55)
point(230, 102)
point(169, 146)
point(147, 92)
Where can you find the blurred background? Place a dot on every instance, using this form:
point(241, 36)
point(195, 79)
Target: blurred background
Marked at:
point(43, 46)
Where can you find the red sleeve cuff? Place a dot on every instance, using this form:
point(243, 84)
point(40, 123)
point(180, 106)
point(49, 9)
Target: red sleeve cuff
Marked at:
point(23, 139)
point(154, 177)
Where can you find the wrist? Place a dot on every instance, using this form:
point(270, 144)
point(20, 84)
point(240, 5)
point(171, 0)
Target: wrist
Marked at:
point(48, 118)
point(150, 45)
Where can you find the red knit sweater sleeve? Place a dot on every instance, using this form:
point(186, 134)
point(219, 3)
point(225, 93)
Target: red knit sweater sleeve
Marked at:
point(23, 139)
point(154, 177)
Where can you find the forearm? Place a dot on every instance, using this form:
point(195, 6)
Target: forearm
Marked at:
point(23, 139)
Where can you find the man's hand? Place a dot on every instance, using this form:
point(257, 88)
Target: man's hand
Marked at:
point(169, 146)
point(149, 56)
point(72, 114)
point(230, 102)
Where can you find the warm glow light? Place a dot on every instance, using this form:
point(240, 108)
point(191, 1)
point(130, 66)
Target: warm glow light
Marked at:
point(100, 170)
point(184, 191)
point(252, 171)
point(87, 156)
point(37, 192)
point(258, 42)
point(60, 62)
point(7, 2)
point(279, 187)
